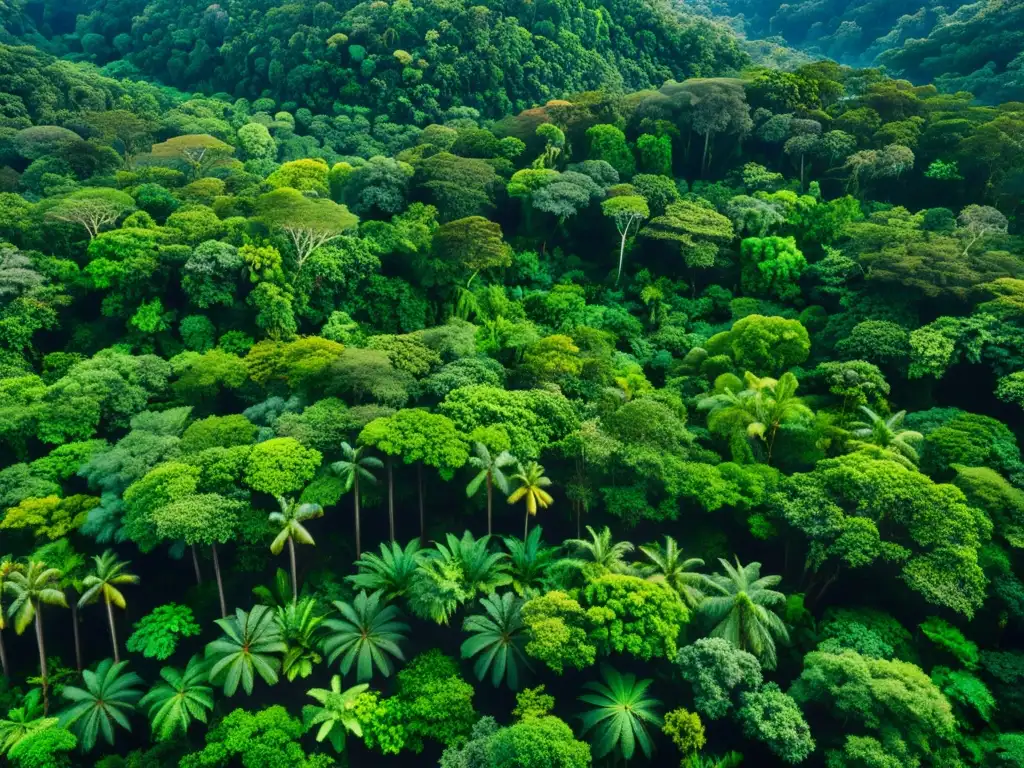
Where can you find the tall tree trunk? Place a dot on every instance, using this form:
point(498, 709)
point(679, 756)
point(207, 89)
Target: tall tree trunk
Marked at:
point(526, 526)
point(195, 564)
point(622, 253)
point(220, 582)
point(423, 524)
point(74, 628)
point(43, 672)
point(359, 534)
point(295, 578)
point(113, 631)
point(3, 657)
point(704, 159)
point(489, 494)
point(391, 500)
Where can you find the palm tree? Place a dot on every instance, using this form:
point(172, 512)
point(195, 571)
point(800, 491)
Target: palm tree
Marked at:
point(182, 697)
point(498, 638)
point(336, 714)
point(33, 587)
point(300, 628)
point(668, 566)
point(532, 483)
point(7, 567)
point(757, 410)
point(529, 561)
point(392, 572)
point(62, 556)
point(108, 699)
point(621, 714)
point(742, 612)
point(352, 468)
point(368, 634)
point(104, 582)
point(489, 470)
point(290, 521)
point(888, 433)
point(600, 553)
point(247, 649)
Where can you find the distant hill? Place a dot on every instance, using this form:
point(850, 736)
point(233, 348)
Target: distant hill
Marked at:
point(959, 46)
point(412, 59)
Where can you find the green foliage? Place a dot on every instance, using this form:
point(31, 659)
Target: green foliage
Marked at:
point(621, 714)
point(247, 649)
point(109, 697)
point(951, 641)
point(771, 716)
point(558, 632)
point(180, 699)
point(718, 672)
point(269, 737)
point(630, 615)
point(497, 638)
point(368, 635)
point(157, 634)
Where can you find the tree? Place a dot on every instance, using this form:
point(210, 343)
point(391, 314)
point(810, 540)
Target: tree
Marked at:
point(718, 673)
point(202, 518)
point(530, 490)
point(620, 715)
point(93, 208)
point(7, 567)
point(529, 562)
point(308, 222)
point(608, 143)
point(199, 152)
point(698, 230)
point(557, 627)
point(109, 698)
point(420, 438)
point(247, 648)
point(281, 465)
point(668, 566)
point(767, 344)
point(299, 621)
point(353, 467)
point(743, 611)
point(392, 572)
point(336, 714)
point(718, 107)
point(289, 520)
point(757, 411)
point(630, 615)
point(61, 555)
point(497, 638)
point(771, 265)
point(980, 221)
point(626, 211)
point(269, 737)
point(157, 634)
point(31, 588)
point(888, 433)
point(43, 748)
point(686, 731)
point(472, 244)
point(490, 470)
point(369, 634)
point(455, 571)
point(103, 582)
point(771, 716)
point(132, 131)
point(181, 698)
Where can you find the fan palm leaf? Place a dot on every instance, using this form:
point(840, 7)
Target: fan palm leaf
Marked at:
point(391, 572)
point(621, 714)
point(247, 649)
point(668, 566)
point(106, 701)
point(368, 635)
point(497, 639)
point(336, 715)
point(179, 700)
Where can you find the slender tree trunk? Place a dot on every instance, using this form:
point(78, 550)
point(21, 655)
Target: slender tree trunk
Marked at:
point(391, 500)
point(113, 631)
point(423, 523)
point(295, 578)
point(526, 525)
point(489, 493)
point(801, 172)
point(359, 530)
point(704, 159)
point(579, 514)
point(74, 628)
point(195, 564)
point(3, 657)
point(220, 582)
point(43, 672)
point(622, 253)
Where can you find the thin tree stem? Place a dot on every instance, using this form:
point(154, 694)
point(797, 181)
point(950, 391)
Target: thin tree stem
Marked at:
point(295, 578)
point(359, 534)
point(391, 500)
point(220, 582)
point(195, 564)
point(3, 657)
point(43, 672)
point(489, 494)
point(423, 519)
point(74, 629)
point(113, 631)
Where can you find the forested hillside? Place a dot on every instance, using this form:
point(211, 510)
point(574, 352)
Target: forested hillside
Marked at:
point(960, 46)
point(506, 386)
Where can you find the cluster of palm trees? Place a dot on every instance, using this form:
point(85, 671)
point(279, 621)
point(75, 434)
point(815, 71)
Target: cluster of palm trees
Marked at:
point(517, 481)
point(38, 583)
point(367, 636)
